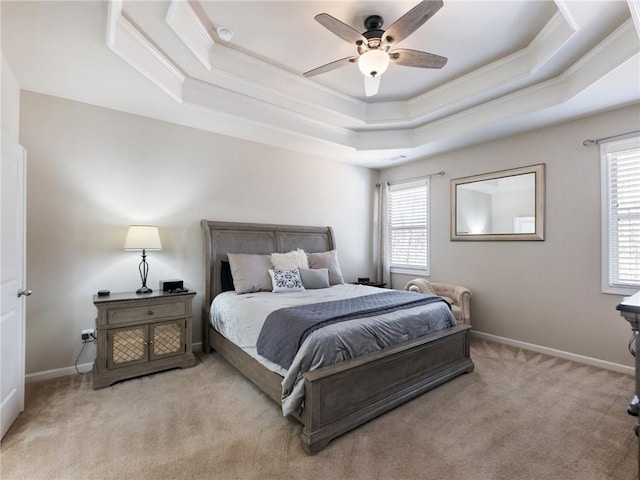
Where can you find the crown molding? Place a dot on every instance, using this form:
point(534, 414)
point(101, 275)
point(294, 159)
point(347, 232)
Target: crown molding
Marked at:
point(611, 53)
point(126, 40)
point(317, 106)
point(565, 10)
point(481, 84)
point(236, 70)
point(254, 77)
point(248, 98)
point(634, 8)
point(622, 45)
point(204, 95)
point(186, 24)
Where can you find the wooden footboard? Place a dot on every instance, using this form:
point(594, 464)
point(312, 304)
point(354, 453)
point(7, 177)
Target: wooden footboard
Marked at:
point(340, 397)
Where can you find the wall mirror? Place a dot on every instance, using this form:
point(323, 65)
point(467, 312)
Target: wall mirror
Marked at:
point(505, 205)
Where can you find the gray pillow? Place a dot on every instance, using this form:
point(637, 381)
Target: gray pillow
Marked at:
point(250, 272)
point(314, 278)
point(327, 260)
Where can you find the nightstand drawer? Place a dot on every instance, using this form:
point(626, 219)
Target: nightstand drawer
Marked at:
point(150, 312)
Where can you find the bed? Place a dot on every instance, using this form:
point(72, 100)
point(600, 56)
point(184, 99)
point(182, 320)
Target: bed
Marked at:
point(339, 397)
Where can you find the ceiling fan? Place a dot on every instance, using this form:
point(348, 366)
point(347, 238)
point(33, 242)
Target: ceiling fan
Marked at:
point(374, 54)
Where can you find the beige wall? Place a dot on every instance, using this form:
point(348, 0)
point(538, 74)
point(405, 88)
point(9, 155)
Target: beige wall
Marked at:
point(543, 293)
point(10, 103)
point(93, 171)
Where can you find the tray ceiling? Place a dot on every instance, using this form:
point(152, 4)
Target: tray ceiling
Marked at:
point(513, 65)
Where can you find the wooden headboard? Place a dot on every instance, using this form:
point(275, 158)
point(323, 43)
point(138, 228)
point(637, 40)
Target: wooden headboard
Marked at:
point(221, 238)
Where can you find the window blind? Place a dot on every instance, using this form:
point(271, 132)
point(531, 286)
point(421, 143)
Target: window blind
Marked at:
point(623, 167)
point(408, 225)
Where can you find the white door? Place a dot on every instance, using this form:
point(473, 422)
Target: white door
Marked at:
point(12, 268)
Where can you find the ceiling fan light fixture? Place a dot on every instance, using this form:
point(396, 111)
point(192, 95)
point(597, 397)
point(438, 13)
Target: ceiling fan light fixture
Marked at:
point(373, 63)
point(373, 45)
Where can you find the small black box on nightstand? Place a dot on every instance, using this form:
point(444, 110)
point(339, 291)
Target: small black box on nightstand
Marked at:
point(166, 285)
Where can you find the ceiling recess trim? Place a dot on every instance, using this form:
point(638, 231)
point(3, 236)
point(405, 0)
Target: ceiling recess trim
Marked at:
point(124, 38)
point(634, 8)
point(486, 81)
point(286, 105)
point(186, 24)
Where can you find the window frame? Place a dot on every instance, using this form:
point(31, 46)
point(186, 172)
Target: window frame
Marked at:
point(405, 185)
point(607, 148)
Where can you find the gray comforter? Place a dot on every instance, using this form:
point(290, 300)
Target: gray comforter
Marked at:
point(286, 329)
point(352, 338)
point(240, 318)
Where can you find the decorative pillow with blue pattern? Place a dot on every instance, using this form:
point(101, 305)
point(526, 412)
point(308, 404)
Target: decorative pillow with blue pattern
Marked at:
point(286, 280)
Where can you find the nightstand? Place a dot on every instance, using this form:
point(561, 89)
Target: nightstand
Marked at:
point(372, 284)
point(138, 334)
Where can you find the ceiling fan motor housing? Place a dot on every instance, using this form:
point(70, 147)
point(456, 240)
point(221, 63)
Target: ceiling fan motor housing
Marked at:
point(373, 24)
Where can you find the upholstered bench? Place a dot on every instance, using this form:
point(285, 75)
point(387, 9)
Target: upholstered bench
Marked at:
point(458, 297)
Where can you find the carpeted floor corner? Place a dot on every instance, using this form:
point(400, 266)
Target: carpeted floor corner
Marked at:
point(519, 415)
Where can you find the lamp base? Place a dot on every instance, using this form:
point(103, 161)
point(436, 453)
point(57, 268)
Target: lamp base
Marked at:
point(144, 289)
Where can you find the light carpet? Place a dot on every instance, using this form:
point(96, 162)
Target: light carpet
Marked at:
point(519, 415)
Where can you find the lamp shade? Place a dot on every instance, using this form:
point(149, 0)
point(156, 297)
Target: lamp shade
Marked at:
point(373, 62)
point(142, 237)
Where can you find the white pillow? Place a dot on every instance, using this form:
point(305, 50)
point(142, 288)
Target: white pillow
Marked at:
point(286, 280)
point(327, 260)
point(290, 260)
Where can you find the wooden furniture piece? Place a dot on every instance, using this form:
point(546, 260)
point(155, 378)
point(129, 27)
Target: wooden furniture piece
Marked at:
point(139, 334)
point(339, 397)
point(460, 296)
point(372, 284)
point(630, 310)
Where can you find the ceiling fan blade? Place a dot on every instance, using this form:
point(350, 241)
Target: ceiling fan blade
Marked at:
point(416, 58)
point(411, 21)
point(341, 29)
point(330, 66)
point(371, 85)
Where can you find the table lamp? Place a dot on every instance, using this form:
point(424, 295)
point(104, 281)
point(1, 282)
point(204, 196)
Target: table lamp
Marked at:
point(143, 237)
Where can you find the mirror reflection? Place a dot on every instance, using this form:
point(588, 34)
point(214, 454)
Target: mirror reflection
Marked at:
point(504, 205)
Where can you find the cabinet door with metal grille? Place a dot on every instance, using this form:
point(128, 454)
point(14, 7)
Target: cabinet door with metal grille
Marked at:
point(167, 339)
point(127, 346)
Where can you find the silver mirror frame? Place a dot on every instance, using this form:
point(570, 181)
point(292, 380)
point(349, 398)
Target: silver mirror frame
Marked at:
point(539, 172)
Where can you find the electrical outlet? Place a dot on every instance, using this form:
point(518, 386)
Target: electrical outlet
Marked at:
point(87, 335)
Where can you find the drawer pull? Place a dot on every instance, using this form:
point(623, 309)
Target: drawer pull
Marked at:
point(150, 312)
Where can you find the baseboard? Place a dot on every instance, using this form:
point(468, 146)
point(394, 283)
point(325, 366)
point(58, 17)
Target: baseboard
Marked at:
point(85, 367)
point(58, 372)
point(594, 362)
point(197, 347)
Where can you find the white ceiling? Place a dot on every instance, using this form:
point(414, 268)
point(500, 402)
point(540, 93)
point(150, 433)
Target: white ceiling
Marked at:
point(513, 65)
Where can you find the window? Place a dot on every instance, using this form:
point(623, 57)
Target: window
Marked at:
point(409, 227)
point(621, 216)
